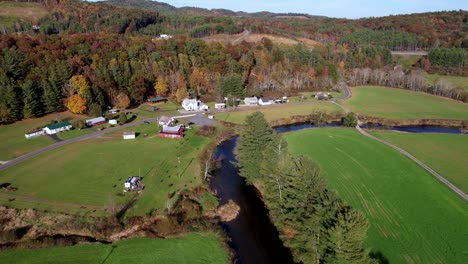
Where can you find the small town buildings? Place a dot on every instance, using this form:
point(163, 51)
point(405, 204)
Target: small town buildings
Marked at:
point(172, 132)
point(96, 121)
point(129, 135)
point(113, 122)
point(54, 129)
point(166, 121)
point(34, 133)
point(251, 100)
point(194, 105)
point(322, 96)
point(220, 105)
point(157, 100)
point(266, 101)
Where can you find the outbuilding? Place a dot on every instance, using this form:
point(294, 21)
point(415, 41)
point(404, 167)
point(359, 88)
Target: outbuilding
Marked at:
point(166, 121)
point(172, 132)
point(54, 129)
point(157, 100)
point(96, 121)
point(113, 122)
point(322, 96)
point(34, 133)
point(266, 101)
point(251, 100)
point(220, 105)
point(129, 135)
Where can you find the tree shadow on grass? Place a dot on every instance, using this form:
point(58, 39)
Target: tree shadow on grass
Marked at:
point(379, 256)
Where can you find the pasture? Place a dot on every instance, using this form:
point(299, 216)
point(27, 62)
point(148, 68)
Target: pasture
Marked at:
point(276, 112)
point(457, 81)
point(413, 218)
point(14, 144)
point(88, 176)
point(11, 12)
point(191, 248)
point(445, 153)
point(403, 104)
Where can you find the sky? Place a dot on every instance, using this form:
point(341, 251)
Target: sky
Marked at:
point(331, 8)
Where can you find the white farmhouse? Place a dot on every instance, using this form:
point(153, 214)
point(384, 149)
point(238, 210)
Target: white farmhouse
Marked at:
point(54, 129)
point(194, 105)
point(251, 100)
point(266, 101)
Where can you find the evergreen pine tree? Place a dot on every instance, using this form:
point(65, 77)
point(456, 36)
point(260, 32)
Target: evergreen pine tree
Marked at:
point(31, 99)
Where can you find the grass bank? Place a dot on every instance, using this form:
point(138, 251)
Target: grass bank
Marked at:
point(192, 248)
point(413, 218)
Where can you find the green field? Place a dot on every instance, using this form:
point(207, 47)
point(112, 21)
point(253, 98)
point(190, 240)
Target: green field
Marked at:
point(278, 111)
point(11, 12)
point(192, 248)
point(403, 104)
point(14, 144)
point(458, 81)
point(445, 153)
point(413, 217)
point(92, 173)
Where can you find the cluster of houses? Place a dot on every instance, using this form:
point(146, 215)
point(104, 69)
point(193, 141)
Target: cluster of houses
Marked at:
point(253, 101)
point(197, 105)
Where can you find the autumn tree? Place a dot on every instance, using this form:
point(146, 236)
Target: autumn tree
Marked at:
point(79, 84)
point(76, 104)
point(161, 86)
point(181, 94)
point(122, 101)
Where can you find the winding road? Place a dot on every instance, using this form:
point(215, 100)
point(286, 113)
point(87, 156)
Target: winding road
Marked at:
point(347, 94)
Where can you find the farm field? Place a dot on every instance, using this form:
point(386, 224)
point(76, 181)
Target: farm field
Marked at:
point(13, 142)
point(445, 153)
point(277, 112)
point(191, 248)
point(92, 172)
point(403, 104)
point(413, 218)
point(11, 12)
point(458, 81)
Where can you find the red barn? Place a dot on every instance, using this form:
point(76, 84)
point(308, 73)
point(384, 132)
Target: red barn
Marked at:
point(172, 132)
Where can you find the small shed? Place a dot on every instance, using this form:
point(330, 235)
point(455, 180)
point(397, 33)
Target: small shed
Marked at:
point(113, 122)
point(322, 96)
point(129, 135)
point(54, 129)
point(220, 105)
point(96, 121)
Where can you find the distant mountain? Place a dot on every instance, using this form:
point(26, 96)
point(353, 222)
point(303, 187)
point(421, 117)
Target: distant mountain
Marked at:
point(143, 4)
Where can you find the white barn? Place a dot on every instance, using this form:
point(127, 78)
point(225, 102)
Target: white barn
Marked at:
point(194, 105)
point(266, 101)
point(96, 121)
point(251, 100)
point(54, 129)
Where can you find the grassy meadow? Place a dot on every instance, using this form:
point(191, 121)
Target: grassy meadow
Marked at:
point(413, 218)
point(277, 112)
point(14, 144)
point(403, 104)
point(92, 173)
point(458, 81)
point(11, 12)
point(445, 153)
point(191, 248)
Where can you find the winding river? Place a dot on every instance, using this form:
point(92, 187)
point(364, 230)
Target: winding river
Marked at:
point(252, 236)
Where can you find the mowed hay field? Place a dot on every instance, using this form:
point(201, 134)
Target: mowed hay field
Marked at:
point(11, 11)
point(403, 104)
point(92, 173)
point(457, 81)
point(413, 218)
point(14, 144)
point(445, 153)
point(192, 248)
point(278, 111)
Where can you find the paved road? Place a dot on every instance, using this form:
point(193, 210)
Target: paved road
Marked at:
point(347, 94)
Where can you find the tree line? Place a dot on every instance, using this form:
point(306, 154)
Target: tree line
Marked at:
point(312, 221)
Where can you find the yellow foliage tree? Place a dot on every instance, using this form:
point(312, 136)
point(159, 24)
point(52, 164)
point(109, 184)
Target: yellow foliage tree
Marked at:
point(181, 94)
point(161, 86)
point(80, 84)
point(122, 101)
point(341, 65)
point(76, 104)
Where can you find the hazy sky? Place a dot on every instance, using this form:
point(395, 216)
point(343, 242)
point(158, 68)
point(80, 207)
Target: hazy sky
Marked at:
point(332, 8)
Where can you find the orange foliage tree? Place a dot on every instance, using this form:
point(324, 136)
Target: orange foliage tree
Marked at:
point(76, 104)
point(122, 101)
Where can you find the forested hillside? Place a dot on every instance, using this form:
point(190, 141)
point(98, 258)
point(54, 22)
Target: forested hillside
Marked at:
point(86, 56)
